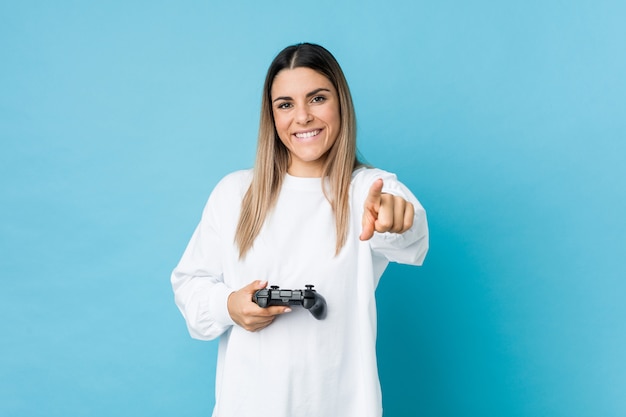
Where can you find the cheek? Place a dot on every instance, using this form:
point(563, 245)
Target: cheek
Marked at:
point(334, 120)
point(280, 124)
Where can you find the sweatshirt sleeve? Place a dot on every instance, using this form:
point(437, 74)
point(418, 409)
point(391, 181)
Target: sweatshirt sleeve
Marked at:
point(199, 289)
point(409, 247)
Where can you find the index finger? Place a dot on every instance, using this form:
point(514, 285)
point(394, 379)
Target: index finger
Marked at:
point(375, 192)
point(271, 311)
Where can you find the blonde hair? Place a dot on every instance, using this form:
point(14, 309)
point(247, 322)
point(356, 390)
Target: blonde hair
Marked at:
point(272, 157)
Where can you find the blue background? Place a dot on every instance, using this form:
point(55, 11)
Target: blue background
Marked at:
point(507, 120)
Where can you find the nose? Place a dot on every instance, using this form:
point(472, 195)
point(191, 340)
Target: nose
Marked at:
point(303, 116)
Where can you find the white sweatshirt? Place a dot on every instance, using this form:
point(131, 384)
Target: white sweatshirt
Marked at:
point(298, 366)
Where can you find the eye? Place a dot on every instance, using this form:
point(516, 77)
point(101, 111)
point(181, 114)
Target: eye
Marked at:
point(283, 105)
point(318, 99)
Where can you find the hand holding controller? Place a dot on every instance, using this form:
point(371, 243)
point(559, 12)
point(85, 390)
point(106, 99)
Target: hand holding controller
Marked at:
point(309, 299)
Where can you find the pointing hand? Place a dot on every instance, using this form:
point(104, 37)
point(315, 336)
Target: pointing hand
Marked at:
point(385, 213)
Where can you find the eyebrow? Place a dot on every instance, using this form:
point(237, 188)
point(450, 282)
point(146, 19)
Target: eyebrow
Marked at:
point(312, 93)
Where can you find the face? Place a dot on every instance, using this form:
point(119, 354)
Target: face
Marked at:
point(305, 106)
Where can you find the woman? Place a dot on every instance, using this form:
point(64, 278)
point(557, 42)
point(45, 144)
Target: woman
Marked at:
point(309, 213)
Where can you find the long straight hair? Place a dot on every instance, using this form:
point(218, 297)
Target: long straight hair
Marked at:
point(272, 157)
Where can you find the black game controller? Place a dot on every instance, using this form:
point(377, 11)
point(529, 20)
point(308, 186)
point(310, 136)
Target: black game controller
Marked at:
point(309, 299)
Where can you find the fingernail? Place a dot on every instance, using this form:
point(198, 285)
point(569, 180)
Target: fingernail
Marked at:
point(287, 310)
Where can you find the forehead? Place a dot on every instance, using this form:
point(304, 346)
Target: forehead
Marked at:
point(296, 81)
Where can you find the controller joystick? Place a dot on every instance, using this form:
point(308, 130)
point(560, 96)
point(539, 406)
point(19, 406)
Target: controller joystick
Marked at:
point(308, 298)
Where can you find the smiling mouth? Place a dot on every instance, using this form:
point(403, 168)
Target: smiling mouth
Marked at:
point(307, 135)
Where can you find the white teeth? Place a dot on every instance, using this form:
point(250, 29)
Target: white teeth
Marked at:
point(307, 134)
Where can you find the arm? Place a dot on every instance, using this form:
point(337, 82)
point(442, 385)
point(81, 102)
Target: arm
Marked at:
point(210, 307)
point(199, 289)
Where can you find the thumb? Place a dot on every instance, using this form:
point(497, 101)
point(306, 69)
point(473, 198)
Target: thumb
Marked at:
point(254, 286)
point(367, 229)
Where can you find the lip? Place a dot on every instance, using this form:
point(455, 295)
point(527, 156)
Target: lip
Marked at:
point(307, 134)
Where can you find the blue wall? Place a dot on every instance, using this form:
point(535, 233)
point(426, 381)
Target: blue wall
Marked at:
point(506, 119)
